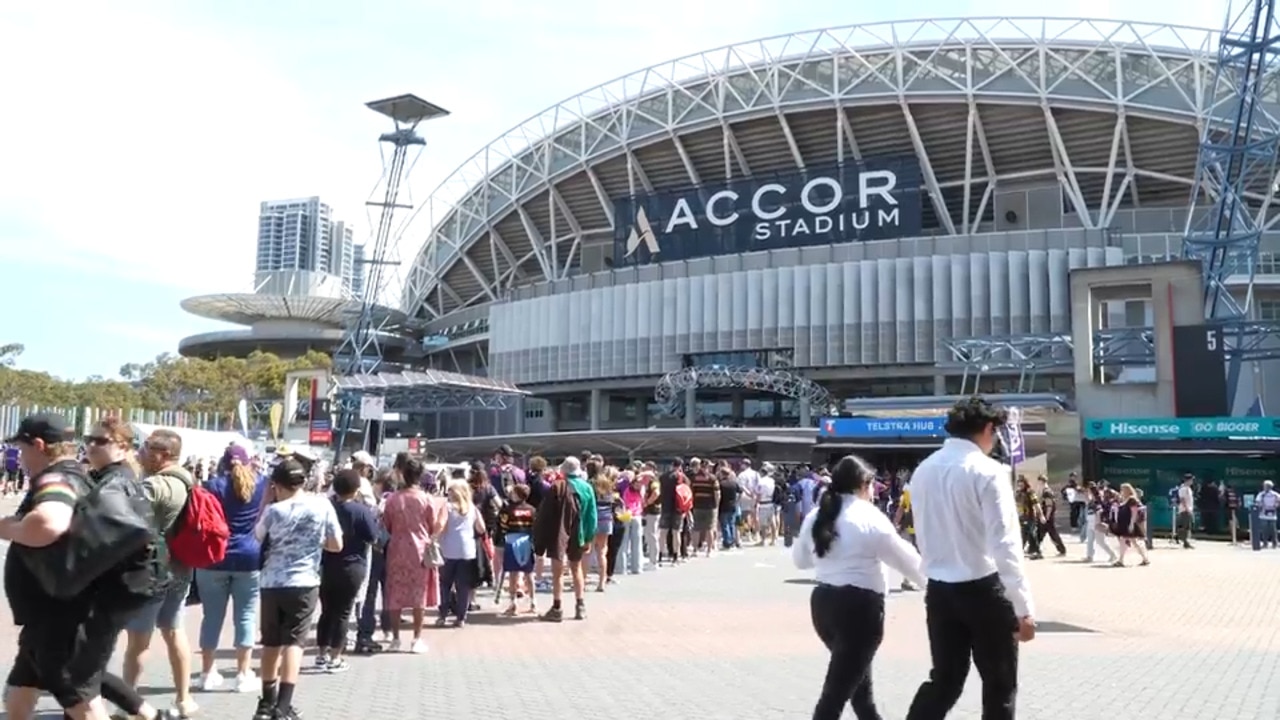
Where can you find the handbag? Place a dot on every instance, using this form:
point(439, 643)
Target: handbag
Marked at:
point(431, 556)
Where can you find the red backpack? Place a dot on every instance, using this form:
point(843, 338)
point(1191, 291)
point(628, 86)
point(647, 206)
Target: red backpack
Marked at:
point(199, 537)
point(684, 498)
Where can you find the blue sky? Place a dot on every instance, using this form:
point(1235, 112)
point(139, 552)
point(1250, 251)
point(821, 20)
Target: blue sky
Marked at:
point(138, 137)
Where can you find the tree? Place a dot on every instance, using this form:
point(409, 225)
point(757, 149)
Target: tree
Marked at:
point(9, 353)
point(167, 382)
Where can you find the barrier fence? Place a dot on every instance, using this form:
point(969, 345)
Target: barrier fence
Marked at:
point(84, 417)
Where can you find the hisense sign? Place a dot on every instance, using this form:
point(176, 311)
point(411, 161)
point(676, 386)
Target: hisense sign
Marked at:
point(876, 199)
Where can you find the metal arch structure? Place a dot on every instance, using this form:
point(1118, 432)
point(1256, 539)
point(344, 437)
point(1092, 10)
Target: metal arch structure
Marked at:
point(1012, 92)
point(419, 391)
point(1027, 354)
point(669, 392)
point(1237, 154)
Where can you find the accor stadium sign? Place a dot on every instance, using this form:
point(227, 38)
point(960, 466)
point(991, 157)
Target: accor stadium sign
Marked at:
point(875, 199)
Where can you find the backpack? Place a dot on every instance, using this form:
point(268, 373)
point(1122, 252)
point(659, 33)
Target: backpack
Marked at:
point(200, 535)
point(684, 498)
point(506, 479)
point(112, 526)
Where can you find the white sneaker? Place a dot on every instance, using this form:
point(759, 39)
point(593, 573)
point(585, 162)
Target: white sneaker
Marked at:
point(395, 646)
point(211, 681)
point(247, 682)
point(418, 648)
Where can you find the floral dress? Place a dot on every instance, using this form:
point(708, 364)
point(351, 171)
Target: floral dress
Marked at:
point(411, 518)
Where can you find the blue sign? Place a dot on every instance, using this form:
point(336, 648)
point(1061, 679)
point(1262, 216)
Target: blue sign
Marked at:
point(875, 199)
point(902, 427)
point(1244, 428)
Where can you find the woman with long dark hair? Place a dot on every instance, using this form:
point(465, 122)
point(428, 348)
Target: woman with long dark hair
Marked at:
point(848, 541)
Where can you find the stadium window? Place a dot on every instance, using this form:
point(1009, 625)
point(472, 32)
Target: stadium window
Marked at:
point(1269, 310)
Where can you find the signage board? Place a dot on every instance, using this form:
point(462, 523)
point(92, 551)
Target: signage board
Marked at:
point(1200, 372)
point(320, 427)
point(901, 427)
point(1183, 428)
point(876, 199)
point(1014, 442)
point(372, 407)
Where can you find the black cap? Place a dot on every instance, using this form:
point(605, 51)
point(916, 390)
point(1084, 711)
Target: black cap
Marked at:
point(506, 451)
point(290, 473)
point(48, 427)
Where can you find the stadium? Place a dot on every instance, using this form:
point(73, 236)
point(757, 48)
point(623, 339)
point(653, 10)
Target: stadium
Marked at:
point(754, 234)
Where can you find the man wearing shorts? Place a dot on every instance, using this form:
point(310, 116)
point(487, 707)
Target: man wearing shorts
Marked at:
point(298, 526)
point(706, 500)
point(563, 528)
point(670, 520)
point(167, 484)
point(766, 506)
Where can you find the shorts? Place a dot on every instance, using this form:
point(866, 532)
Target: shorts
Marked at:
point(517, 554)
point(670, 521)
point(286, 615)
point(703, 520)
point(604, 528)
point(66, 658)
point(765, 514)
point(164, 612)
point(574, 553)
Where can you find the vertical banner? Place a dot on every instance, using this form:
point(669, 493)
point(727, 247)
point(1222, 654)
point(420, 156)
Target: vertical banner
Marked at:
point(1014, 442)
point(320, 428)
point(242, 412)
point(275, 415)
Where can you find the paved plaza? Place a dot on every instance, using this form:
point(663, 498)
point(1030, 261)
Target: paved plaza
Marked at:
point(1193, 636)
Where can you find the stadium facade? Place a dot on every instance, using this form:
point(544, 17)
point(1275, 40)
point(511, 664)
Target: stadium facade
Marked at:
point(829, 208)
point(744, 235)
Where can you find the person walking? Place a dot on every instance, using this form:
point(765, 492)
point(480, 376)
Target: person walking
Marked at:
point(977, 602)
point(847, 540)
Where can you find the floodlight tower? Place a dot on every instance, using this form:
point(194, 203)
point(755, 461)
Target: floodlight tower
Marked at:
point(360, 352)
point(1237, 164)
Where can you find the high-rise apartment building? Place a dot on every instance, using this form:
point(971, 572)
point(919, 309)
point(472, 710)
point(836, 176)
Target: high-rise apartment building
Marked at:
point(301, 234)
point(358, 269)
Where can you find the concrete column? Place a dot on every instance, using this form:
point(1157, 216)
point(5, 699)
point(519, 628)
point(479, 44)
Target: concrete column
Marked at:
point(691, 407)
point(806, 413)
point(471, 423)
point(593, 410)
point(939, 384)
point(520, 406)
point(551, 413)
point(735, 406)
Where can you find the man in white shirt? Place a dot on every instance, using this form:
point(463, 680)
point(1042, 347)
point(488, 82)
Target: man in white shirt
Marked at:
point(978, 603)
point(748, 485)
point(766, 511)
point(1268, 504)
point(1186, 509)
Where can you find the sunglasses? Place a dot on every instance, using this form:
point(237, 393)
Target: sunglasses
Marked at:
point(97, 441)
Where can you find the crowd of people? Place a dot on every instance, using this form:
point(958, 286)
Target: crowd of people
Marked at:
point(286, 541)
point(362, 544)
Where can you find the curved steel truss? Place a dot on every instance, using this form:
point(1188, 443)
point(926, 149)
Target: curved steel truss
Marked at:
point(1028, 354)
point(520, 211)
point(671, 388)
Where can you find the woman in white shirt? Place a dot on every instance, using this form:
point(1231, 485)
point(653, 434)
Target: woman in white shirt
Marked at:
point(847, 541)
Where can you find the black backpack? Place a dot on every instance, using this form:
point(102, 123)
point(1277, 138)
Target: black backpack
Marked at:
point(112, 525)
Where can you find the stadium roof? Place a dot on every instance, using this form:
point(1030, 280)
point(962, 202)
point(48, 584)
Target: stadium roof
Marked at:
point(252, 308)
point(1108, 109)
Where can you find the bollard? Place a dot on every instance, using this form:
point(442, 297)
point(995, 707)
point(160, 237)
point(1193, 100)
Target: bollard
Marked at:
point(1255, 538)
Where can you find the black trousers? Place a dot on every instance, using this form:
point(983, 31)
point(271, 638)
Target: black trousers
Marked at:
point(615, 546)
point(338, 588)
point(969, 620)
point(1050, 528)
point(850, 622)
point(1078, 514)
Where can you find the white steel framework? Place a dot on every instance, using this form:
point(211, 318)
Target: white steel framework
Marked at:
point(671, 388)
point(1108, 110)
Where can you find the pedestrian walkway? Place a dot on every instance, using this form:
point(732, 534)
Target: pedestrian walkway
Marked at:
point(1191, 637)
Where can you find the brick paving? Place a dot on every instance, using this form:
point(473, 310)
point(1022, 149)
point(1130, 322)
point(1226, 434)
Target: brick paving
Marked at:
point(1194, 636)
